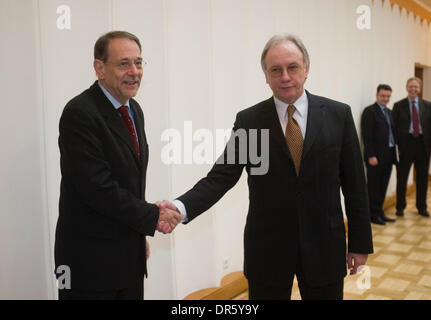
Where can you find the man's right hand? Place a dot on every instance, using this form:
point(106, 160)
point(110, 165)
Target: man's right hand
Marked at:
point(169, 217)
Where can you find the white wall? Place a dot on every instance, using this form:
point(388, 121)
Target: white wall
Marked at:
point(24, 244)
point(203, 66)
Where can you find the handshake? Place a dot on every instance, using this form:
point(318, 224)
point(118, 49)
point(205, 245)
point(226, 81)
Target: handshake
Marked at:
point(169, 217)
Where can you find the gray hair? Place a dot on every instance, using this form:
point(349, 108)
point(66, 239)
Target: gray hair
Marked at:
point(280, 38)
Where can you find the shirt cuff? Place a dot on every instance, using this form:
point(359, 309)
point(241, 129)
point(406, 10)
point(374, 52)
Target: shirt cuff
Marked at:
point(182, 209)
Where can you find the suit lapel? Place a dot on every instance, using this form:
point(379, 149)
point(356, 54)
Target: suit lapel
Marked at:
point(379, 112)
point(140, 131)
point(272, 122)
point(407, 109)
point(421, 110)
point(142, 141)
point(113, 120)
point(315, 119)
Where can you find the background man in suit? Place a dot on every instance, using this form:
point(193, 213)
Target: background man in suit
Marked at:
point(412, 118)
point(104, 218)
point(295, 222)
point(379, 151)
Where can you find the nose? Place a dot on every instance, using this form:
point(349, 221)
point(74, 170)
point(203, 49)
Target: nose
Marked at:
point(133, 70)
point(285, 76)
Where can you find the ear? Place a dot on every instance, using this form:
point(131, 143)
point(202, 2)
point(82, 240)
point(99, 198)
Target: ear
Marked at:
point(99, 67)
point(307, 68)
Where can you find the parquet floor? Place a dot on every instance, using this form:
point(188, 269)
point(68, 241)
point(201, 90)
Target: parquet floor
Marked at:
point(400, 268)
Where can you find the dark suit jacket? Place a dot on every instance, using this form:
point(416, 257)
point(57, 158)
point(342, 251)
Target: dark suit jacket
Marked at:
point(402, 119)
point(375, 134)
point(292, 216)
point(103, 215)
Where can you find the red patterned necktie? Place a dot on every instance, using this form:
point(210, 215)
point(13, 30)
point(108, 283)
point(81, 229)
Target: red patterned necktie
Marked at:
point(129, 124)
point(415, 120)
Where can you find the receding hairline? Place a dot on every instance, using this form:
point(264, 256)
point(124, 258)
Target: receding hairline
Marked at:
point(285, 37)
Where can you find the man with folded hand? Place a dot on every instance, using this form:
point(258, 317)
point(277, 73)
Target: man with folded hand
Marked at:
point(378, 136)
point(103, 216)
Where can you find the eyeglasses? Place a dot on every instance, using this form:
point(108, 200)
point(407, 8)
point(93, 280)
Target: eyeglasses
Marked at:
point(125, 65)
point(277, 72)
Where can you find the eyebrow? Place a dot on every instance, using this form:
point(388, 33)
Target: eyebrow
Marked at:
point(289, 65)
point(127, 59)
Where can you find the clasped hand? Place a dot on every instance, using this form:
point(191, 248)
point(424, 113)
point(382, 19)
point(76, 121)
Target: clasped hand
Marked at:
point(169, 217)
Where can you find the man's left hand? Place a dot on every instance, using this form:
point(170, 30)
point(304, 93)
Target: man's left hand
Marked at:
point(354, 260)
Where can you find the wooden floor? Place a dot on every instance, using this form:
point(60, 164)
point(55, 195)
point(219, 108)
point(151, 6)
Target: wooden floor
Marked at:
point(400, 268)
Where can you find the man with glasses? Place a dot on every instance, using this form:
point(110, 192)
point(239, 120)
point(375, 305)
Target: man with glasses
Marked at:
point(103, 216)
point(295, 223)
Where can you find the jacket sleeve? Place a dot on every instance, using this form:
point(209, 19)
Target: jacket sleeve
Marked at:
point(352, 179)
point(220, 179)
point(367, 130)
point(395, 118)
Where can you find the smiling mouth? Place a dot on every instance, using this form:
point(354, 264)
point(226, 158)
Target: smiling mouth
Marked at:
point(131, 83)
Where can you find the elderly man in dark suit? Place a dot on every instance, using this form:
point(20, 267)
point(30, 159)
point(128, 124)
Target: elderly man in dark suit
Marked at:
point(379, 151)
point(295, 222)
point(412, 118)
point(104, 218)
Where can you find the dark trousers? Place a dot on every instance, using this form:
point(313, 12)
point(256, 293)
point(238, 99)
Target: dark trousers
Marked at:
point(333, 291)
point(260, 291)
point(415, 153)
point(136, 292)
point(377, 182)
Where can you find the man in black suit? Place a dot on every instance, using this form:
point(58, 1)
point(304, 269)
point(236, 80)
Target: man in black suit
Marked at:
point(295, 222)
point(412, 118)
point(103, 216)
point(379, 151)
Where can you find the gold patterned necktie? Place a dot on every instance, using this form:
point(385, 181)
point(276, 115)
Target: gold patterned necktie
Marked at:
point(294, 138)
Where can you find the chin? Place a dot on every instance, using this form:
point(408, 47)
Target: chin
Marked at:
point(290, 99)
point(131, 94)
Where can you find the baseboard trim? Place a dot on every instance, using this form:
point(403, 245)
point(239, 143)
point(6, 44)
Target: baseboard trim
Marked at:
point(231, 286)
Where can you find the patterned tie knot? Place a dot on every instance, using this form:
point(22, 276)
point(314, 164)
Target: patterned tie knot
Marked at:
point(123, 111)
point(290, 110)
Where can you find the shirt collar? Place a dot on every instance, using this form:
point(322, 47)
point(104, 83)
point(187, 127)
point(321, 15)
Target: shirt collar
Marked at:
point(114, 101)
point(381, 107)
point(416, 100)
point(301, 106)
